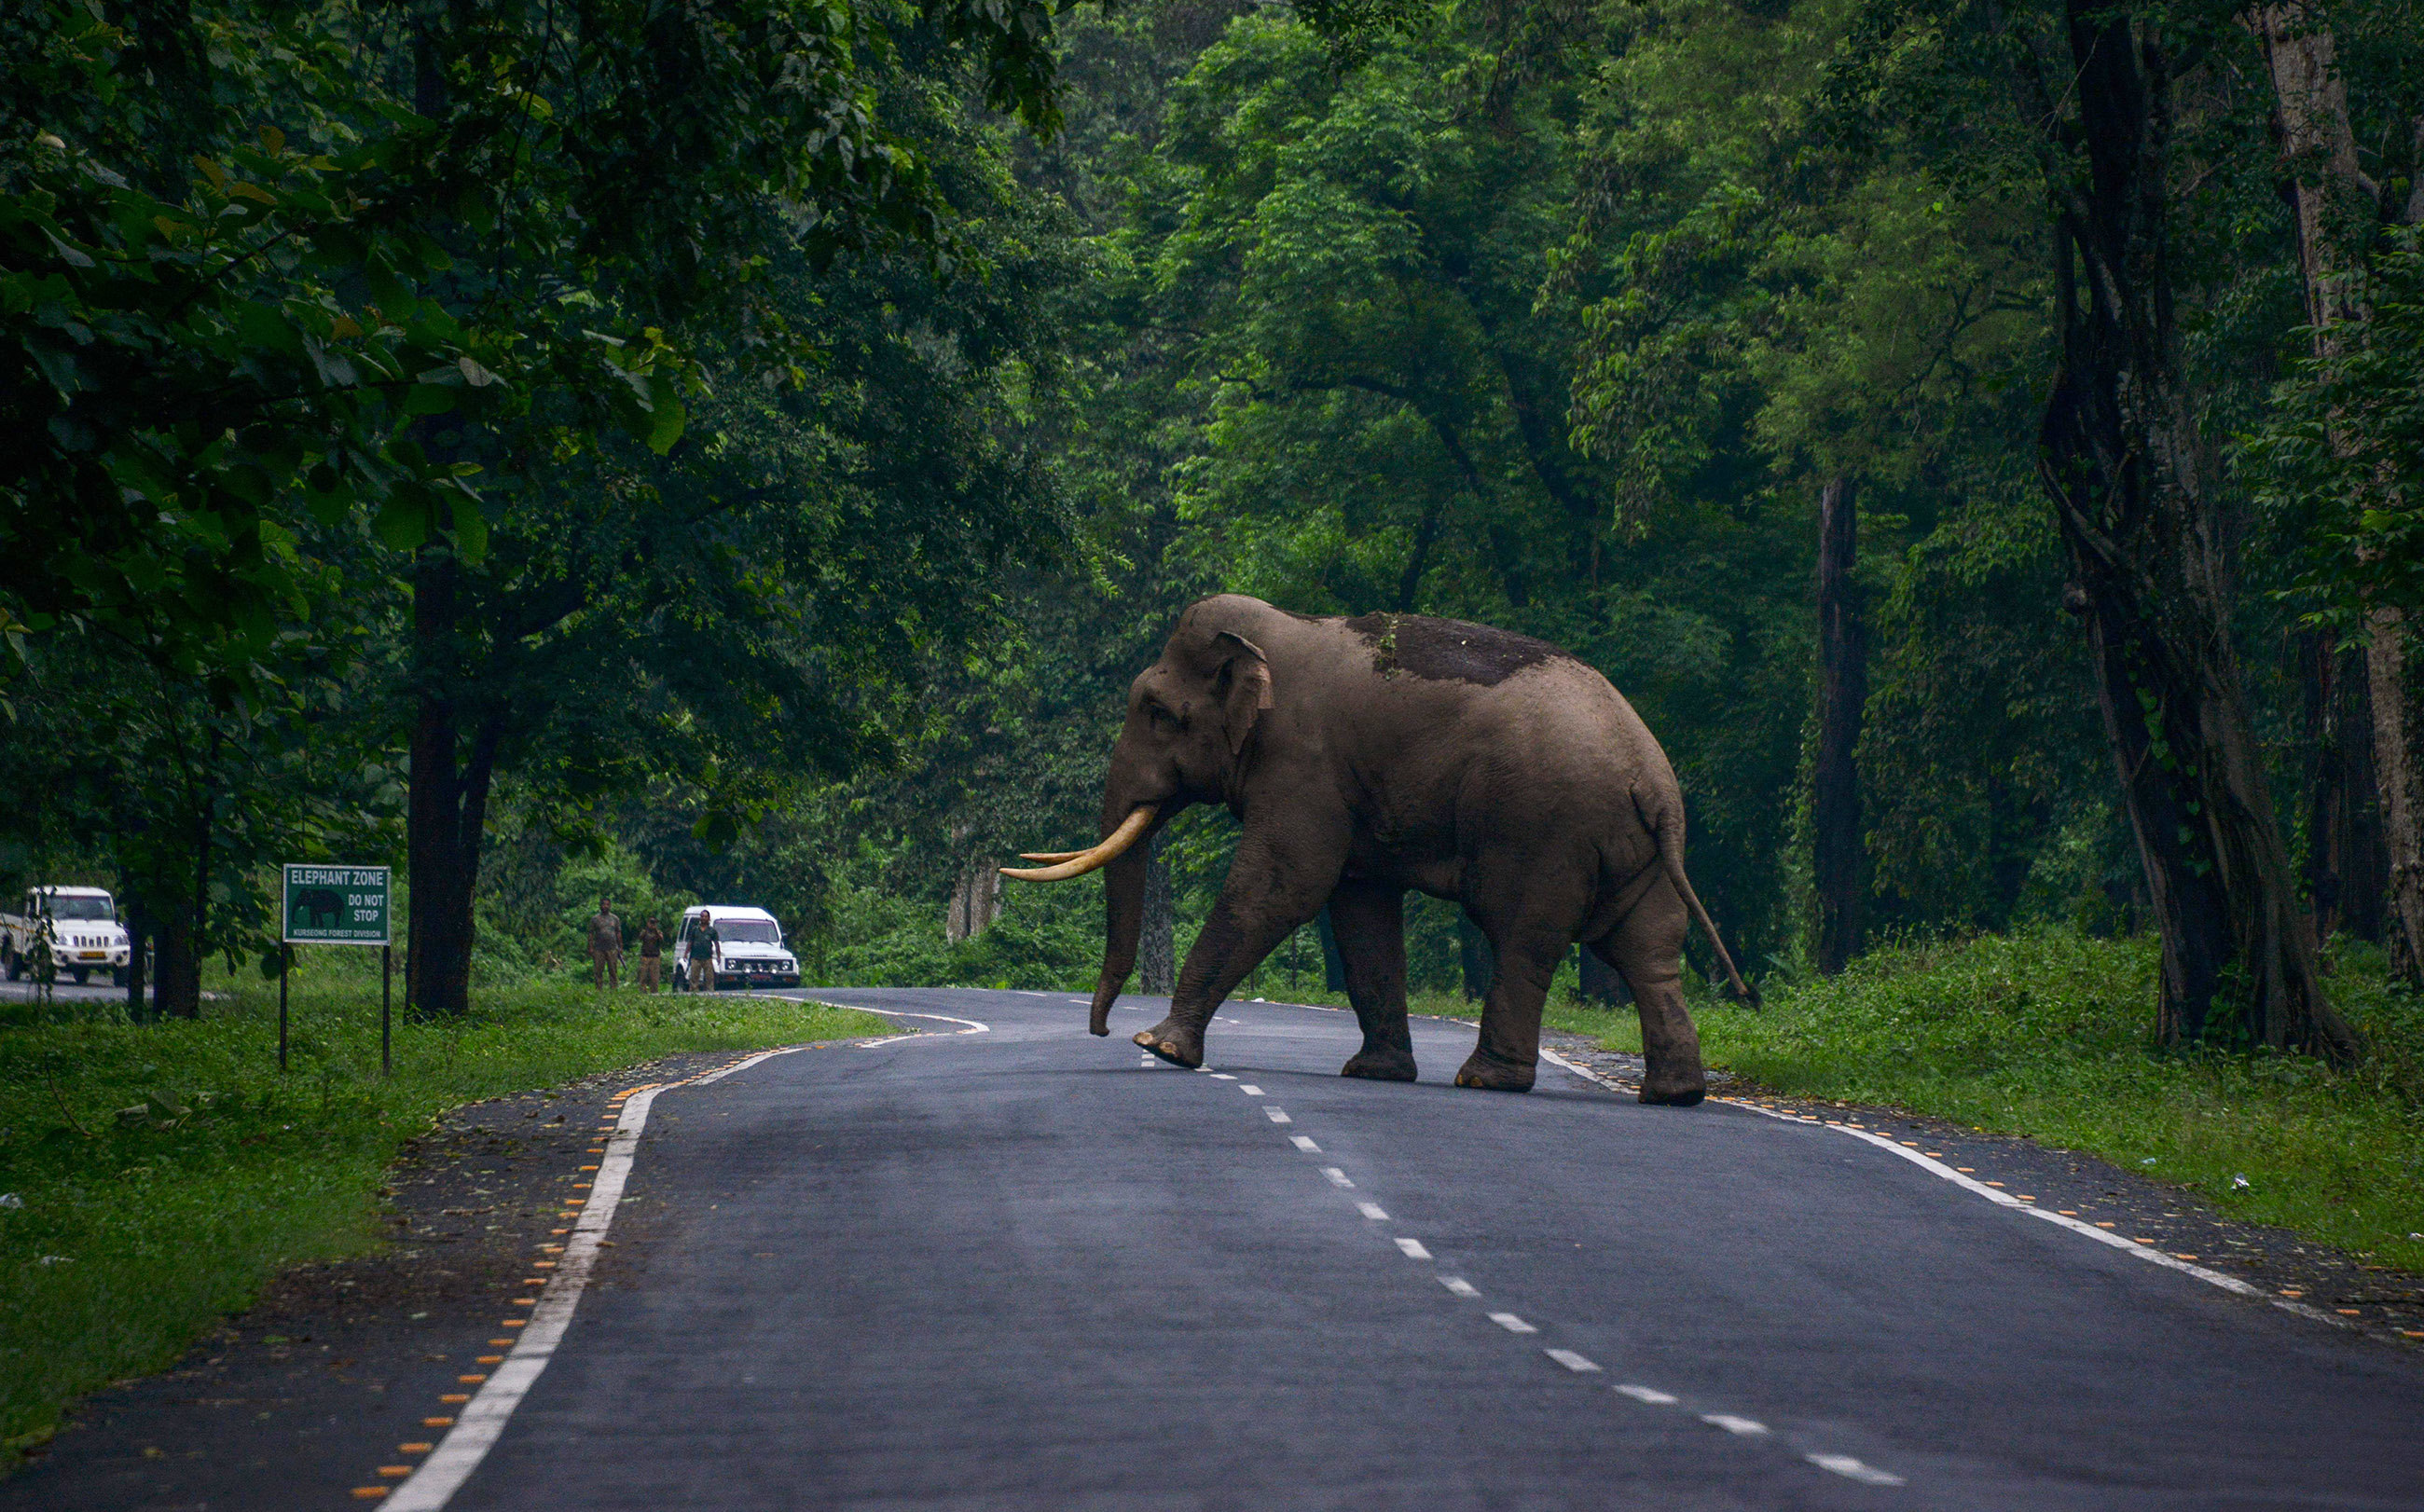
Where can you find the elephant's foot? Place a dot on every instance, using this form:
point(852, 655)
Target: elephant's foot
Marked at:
point(1174, 1043)
point(1488, 1072)
point(1669, 1086)
point(1381, 1066)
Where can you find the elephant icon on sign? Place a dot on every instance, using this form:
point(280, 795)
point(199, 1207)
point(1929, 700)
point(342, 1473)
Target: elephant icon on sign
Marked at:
point(317, 908)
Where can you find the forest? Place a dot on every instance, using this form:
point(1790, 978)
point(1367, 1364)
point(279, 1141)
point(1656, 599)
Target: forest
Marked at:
point(744, 454)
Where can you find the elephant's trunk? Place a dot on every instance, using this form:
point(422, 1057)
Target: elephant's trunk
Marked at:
point(1123, 921)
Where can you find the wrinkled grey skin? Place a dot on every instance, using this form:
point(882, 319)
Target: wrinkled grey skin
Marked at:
point(1369, 756)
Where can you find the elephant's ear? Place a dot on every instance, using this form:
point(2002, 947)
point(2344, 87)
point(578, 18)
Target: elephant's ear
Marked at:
point(1246, 687)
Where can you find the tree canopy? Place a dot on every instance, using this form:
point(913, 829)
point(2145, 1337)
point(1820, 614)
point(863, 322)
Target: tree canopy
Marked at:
point(762, 443)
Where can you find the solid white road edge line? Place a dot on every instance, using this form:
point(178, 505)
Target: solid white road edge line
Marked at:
point(1846, 1466)
point(483, 1419)
point(2147, 1252)
point(973, 1026)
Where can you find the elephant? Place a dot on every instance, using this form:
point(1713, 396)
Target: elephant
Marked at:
point(318, 908)
point(1364, 756)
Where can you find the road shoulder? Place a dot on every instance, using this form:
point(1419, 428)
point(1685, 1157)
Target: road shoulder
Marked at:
point(324, 1382)
point(2373, 1301)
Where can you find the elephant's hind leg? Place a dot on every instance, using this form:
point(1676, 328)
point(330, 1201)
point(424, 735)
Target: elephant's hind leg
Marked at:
point(1646, 948)
point(1370, 921)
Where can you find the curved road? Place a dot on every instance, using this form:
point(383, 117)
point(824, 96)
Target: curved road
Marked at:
point(1028, 1268)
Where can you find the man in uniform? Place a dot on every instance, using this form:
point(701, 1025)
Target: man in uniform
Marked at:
point(703, 940)
point(652, 948)
point(605, 947)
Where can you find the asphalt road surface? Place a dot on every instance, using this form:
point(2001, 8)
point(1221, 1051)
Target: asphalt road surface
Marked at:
point(1024, 1267)
point(65, 990)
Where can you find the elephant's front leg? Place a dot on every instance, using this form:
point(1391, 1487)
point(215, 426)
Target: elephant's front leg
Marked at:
point(1369, 919)
point(1508, 1055)
point(1274, 888)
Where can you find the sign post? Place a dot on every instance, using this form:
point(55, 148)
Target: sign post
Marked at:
point(336, 905)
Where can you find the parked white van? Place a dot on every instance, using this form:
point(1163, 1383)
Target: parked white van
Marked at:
point(748, 951)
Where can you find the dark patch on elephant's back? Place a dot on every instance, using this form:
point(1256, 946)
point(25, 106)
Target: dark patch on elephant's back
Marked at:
point(1449, 650)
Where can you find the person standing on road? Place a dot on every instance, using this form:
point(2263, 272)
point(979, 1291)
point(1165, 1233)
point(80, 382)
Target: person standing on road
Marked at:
point(652, 948)
point(703, 940)
point(605, 948)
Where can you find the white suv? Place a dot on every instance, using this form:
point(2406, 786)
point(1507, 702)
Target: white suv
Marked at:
point(748, 947)
point(86, 936)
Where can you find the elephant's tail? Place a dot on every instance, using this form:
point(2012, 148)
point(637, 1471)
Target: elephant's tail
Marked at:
point(1667, 828)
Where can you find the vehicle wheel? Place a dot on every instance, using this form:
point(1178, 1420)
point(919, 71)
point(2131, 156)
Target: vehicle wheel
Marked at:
point(81, 975)
point(117, 976)
point(8, 960)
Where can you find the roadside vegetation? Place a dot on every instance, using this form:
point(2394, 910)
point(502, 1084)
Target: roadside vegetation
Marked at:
point(153, 1177)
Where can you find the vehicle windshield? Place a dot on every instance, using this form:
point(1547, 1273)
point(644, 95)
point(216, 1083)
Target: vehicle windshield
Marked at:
point(748, 931)
point(80, 908)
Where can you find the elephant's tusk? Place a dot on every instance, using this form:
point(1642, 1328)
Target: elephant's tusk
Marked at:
point(1049, 855)
point(1081, 862)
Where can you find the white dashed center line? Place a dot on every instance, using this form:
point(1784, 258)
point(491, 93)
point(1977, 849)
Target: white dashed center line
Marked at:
point(1847, 1465)
point(1580, 1364)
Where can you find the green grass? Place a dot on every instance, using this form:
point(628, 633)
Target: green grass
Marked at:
point(137, 1232)
point(2051, 1035)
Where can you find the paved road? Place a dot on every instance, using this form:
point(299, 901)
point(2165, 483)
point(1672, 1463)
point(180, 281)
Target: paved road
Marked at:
point(65, 990)
point(1025, 1268)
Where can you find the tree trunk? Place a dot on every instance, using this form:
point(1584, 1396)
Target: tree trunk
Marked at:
point(176, 963)
point(1334, 965)
point(2337, 209)
point(448, 807)
point(2393, 748)
point(1158, 947)
point(1479, 964)
point(139, 929)
point(1843, 695)
point(2347, 873)
point(2145, 546)
point(976, 901)
point(1600, 982)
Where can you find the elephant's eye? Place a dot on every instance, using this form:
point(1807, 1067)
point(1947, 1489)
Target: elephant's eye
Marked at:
point(1162, 719)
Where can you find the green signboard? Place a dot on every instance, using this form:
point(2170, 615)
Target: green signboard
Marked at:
point(336, 905)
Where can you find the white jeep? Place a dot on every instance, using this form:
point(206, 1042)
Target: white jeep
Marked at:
point(84, 934)
point(748, 947)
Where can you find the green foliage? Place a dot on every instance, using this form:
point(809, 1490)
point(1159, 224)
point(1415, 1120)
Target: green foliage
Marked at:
point(2340, 463)
point(163, 1173)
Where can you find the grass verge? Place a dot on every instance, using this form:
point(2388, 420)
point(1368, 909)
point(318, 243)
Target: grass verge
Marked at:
point(2051, 1035)
point(151, 1177)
